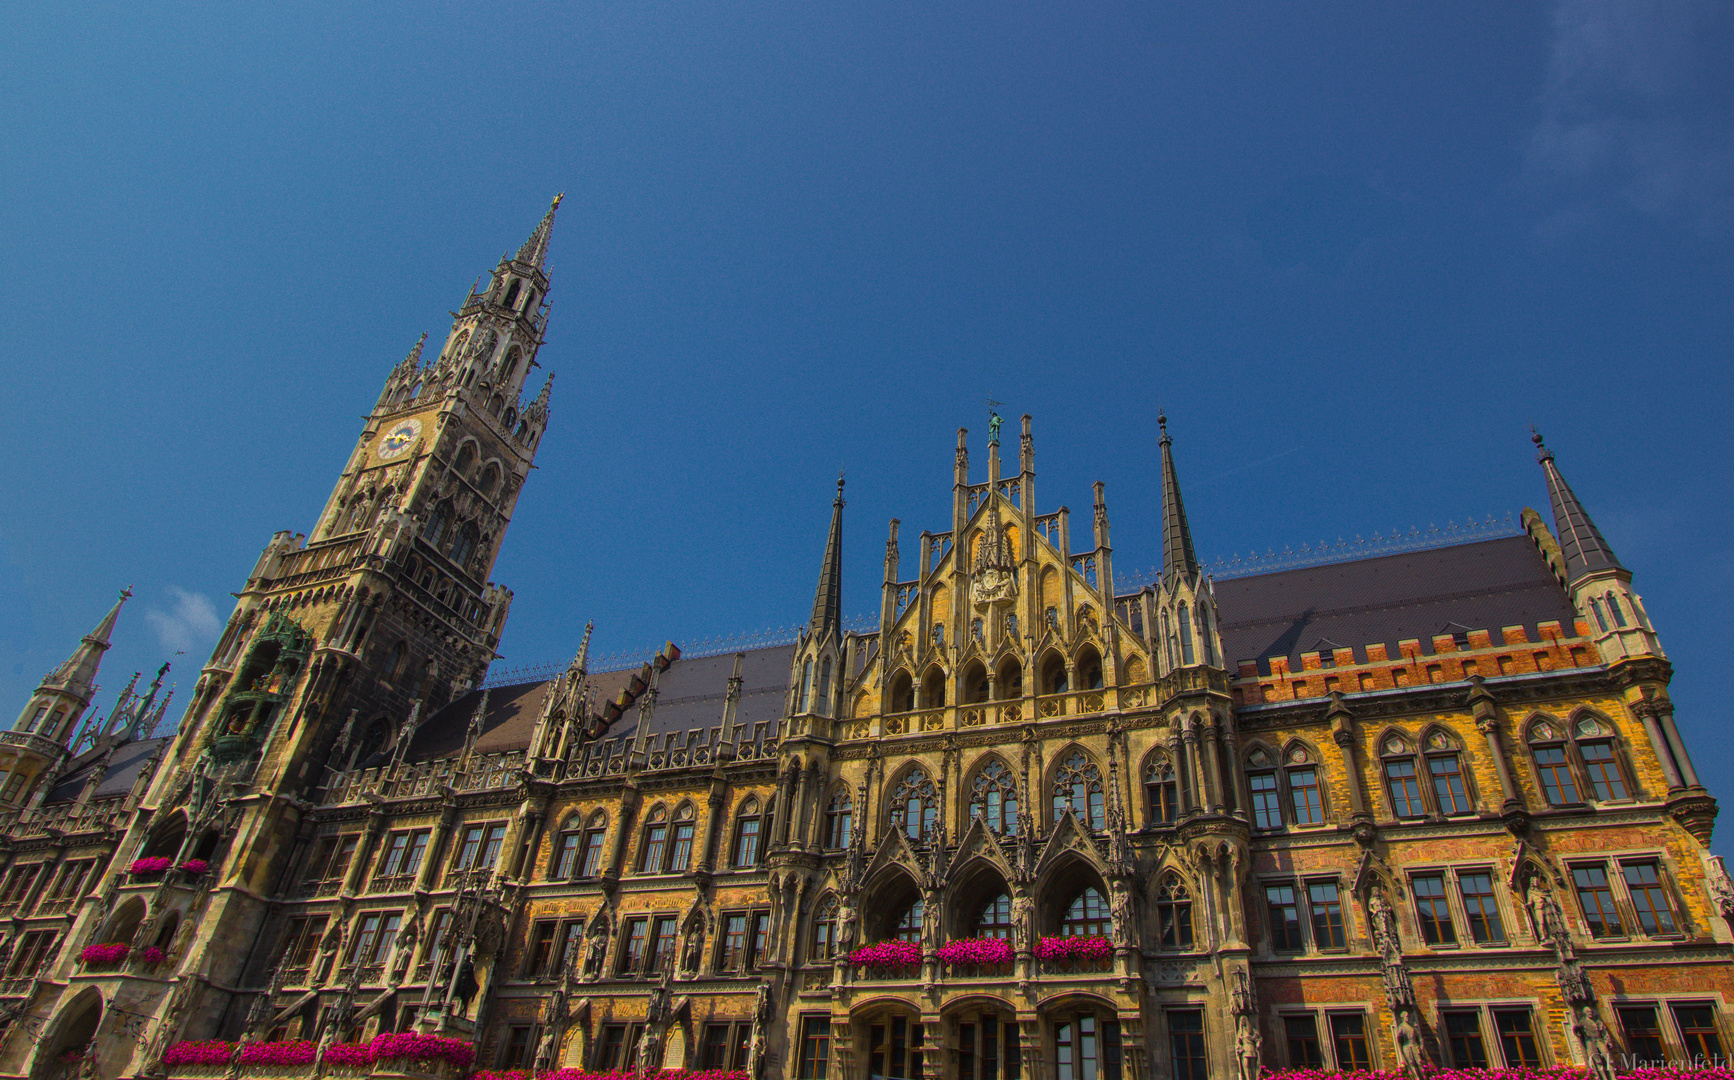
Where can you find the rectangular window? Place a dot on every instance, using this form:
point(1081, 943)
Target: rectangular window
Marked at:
point(1463, 1035)
point(470, 850)
point(680, 854)
point(1698, 1032)
point(655, 839)
point(713, 1052)
point(1649, 898)
point(662, 943)
point(417, 851)
point(734, 944)
point(1516, 1038)
point(1327, 911)
point(1448, 789)
point(1404, 788)
point(1481, 908)
point(815, 1047)
point(632, 958)
point(609, 1050)
point(1285, 928)
point(491, 846)
point(1266, 804)
point(894, 1050)
point(747, 843)
point(391, 859)
point(1433, 910)
point(366, 933)
point(1304, 796)
point(516, 1053)
point(1304, 1051)
point(1643, 1035)
point(1597, 900)
point(541, 947)
point(592, 861)
point(571, 943)
point(1186, 1044)
point(1349, 1037)
point(1556, 778)
point(761, 935)
point(1604, 770)
point(565, 856)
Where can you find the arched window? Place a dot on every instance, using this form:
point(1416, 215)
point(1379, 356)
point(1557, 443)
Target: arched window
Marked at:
point(973, 686)
point(994, 798)
point(490, 479)
point(1596, 609)
point(1162, 791)
point(1089, 668)
point(914, 804)
point(466, 458)
point(909, 923)
point(394, 661)
point(655, 847)
point(680, 847)
point(804, 703)
point(1184, 618)
point(823, 706)
point(509, 367)
point(1078, 787)
point(933, 688)
point(994, 920)
point(595, 834)
point(1305, 790)
point(1174, 914)
point(512, 292)
point(1053, 680)
point(464, 544)
point(1618, 613)
point(1009, 679)
point(900, 693)
point(1204, 630)
point(1086, 916)
point(824, 930)
point(563, 864)
point(1445, 774)
point(1601, 762)
point(1261, 784)
point(435, 529)
point(746, 851)
point(837, 819)
point(1402, 779)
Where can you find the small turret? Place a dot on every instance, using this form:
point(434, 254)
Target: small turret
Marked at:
point(1186, 608)
point(817, 657)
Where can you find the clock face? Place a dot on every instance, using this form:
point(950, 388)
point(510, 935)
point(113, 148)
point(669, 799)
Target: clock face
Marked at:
point(399, 438)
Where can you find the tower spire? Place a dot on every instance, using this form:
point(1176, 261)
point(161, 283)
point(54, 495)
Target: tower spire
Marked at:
point(828, 597)
point(1579, 540)
point(1177, 554)
point(535, 249)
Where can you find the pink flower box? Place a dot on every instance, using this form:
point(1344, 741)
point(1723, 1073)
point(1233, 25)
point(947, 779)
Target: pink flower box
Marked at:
point(975, 951)
point(405, 1044)
point(1073, 948)
point(883, 955)
point(296, 1052)
point(194, 867)
point(150, 867)
point(348, 1054)
point(112, 952)
point(208, 1052)
point(153, 955)
point(579, 1074)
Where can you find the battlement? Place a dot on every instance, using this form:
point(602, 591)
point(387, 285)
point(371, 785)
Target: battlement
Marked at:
point(1446, 658)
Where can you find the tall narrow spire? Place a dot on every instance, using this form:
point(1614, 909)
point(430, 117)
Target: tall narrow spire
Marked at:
point(1579, 540)
point(535, 249)
point(828, 597)
point(1177, 554)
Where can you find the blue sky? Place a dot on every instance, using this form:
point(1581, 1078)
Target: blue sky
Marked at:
point(1354, 249)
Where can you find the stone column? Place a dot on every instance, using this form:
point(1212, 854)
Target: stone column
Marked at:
point(1665, 710)
point(1647, 713)
point(435, 849)
point(1486, 715)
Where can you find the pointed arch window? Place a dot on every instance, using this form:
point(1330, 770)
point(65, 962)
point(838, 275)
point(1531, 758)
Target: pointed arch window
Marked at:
point(1207, 638)
point(838, 817)
point(1089, 669)
point(993, 797)
point(1445, 774)
point(1261, 785)
point(1547, 743)
point(1078, 787)
point(994, 920)
point(567, 844)
point(490, 479)
point(1305, 792)
point(510, 367)
point(512, 292)
point(914, 804)
point(654, 849)
point(1174, 914)
point(464, 544)
point(1614, 609)
point(1087, 915)
point(824, 930)
point(823, 705)
point(1402, 778)
point(680, 844)
point(1162, 791)
point(590, 855)
point(1596, 610)
point(435, 529)
point(1184, 618)
point(466, 458)
point(746, 850)
point(805, 702)
point(1168, 641)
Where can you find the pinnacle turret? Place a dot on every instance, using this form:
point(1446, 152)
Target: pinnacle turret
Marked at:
point(828, 597)
point(1579, 540)
point(1177, 554)
point(535, 249)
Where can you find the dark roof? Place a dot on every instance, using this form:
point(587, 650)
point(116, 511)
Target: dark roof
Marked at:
point(129, 761)
point(1579, 540)
point(689, 695)
point(1486, 585)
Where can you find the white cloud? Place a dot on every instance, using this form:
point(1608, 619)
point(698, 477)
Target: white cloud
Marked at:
point(1633, 111)
point(193, 623)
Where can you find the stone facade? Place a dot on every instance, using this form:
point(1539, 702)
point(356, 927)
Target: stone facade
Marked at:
point(1214, 831)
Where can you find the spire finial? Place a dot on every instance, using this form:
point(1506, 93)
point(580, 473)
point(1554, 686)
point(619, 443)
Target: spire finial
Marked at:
point(414, 358)
point(535, 249)
point(1579, 540)
point(1542, 453)
point(828, 596)
point(1177, 554)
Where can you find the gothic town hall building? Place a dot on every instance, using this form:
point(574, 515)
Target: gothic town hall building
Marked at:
point(1425, 807)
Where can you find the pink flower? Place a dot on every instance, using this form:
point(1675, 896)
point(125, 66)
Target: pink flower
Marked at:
point(153, 955)
point(1078, 948)
point(886, 954)
point(209, 1052)
point(347, 1054)
point(298, 1052)
point(194, 867)
point(156, 864)
point(408, 1044)
point(112, 952)
point(976, 951)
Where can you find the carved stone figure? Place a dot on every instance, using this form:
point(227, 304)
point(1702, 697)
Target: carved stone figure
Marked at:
point(692, 949)
point(1248, 1046)
point(847, 925)
point(1022, 907)
point(1384, 922)
point(1407, 1036)
point(1121, 906)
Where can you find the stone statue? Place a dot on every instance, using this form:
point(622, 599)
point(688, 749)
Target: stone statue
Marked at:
point(1384, 921)
point(598, 946)
point(1549, 920)
point(1248, 1045)
point(847, 926)
point(693, 948)
point(993, 423)
point(1407, 1036)
point(1121, 905)
point(1022, 908)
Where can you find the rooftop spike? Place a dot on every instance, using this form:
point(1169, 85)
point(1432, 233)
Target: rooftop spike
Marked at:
point(1177, 554)
point(535, 249)
point(1581, 542)
point(828, 597)
point(413, 360)
point(105, 629)
point(581, 662)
